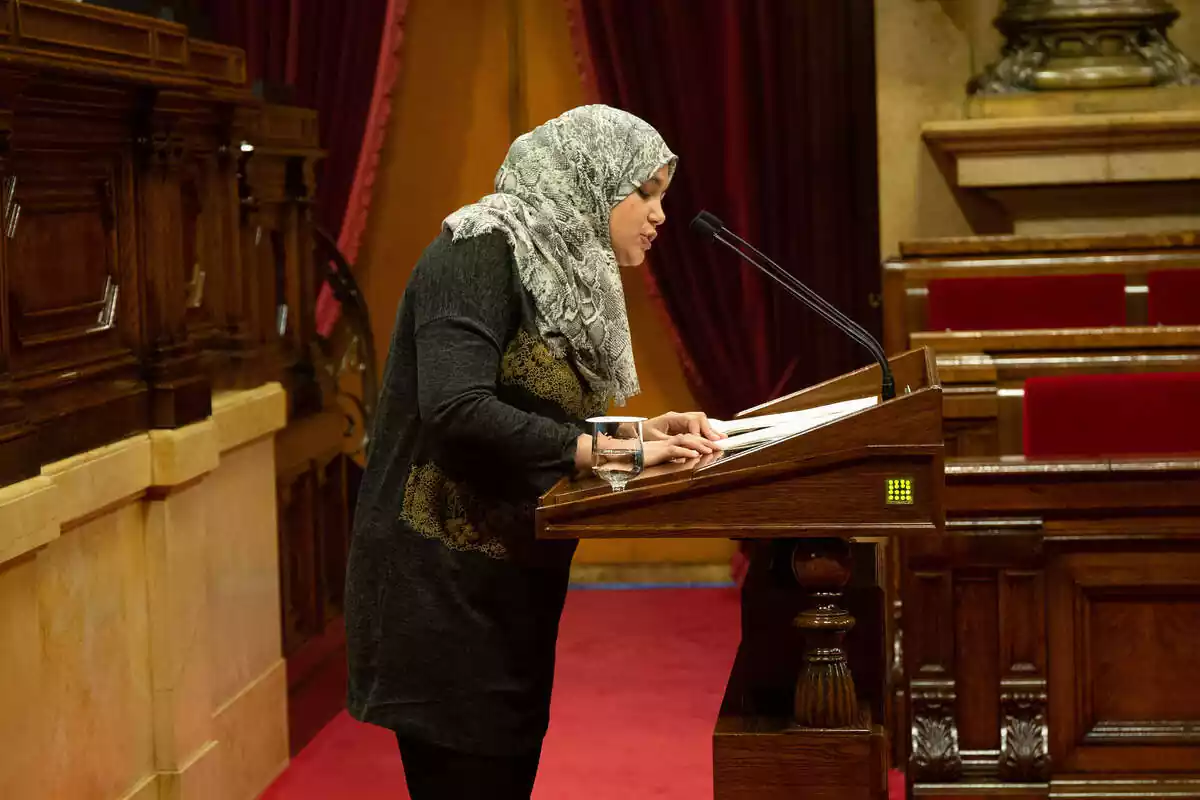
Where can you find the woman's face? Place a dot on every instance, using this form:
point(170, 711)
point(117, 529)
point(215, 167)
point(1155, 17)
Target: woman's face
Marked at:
point(635, 220)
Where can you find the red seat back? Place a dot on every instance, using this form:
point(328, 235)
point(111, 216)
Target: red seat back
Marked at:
point(1139, 414)
point(1174, 297)
point(1026, 302)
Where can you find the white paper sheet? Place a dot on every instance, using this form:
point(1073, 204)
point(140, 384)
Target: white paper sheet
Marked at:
point(751, 431)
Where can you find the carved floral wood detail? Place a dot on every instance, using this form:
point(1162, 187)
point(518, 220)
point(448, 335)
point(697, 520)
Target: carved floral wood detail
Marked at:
point(1024, 733)
point(935, 752)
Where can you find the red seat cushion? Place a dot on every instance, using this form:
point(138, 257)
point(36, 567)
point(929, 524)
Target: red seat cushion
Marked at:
point(1174, 297)
point(1138, 414)
point(1025, 302)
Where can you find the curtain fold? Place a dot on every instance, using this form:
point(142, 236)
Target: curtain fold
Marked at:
point(771, 108)
point(387, 71)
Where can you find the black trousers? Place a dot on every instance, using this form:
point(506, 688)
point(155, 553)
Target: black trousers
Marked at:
point(437, 773)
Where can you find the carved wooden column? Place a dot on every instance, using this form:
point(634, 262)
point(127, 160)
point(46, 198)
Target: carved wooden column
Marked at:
point(278, 246)
point(180, 391)
point(206, 268)
point(825, 693)
point(239, 367)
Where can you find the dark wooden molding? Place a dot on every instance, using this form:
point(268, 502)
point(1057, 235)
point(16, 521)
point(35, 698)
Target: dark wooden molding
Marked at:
point(158, 223)
point(1060, 607)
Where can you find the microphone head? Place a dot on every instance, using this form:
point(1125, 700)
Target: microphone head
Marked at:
point(706, 225)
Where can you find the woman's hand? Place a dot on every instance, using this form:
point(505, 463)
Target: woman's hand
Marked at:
point(680, 446)
point(672, 423)
point(659, 451)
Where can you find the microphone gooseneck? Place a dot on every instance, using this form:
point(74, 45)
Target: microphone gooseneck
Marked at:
point(708, 226)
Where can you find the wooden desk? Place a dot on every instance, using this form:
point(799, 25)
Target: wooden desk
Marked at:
point(1049, 639)
point(983, 373)
point(154, 219)
point(906, 277)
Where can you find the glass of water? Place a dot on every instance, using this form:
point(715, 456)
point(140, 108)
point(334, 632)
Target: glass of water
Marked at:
point(617, 455)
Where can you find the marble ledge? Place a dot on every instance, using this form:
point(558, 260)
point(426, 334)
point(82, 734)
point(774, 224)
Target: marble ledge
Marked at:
point(34, 512)
point(242, 417)
point(1083, 149)
point(102, 478)
point(28, 517)
point(181, 455)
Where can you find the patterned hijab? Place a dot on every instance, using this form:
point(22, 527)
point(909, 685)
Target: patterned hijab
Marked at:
point(554, 195)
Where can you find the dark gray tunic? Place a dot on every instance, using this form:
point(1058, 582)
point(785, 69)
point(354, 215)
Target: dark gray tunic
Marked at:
point(452, 607)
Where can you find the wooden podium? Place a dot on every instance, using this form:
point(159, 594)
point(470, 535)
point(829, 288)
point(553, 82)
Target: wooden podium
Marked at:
point(818, 509)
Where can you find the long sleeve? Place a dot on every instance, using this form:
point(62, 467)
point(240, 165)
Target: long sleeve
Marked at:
point(468, 310)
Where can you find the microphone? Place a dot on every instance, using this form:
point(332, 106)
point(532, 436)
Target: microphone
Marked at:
point(707, 225)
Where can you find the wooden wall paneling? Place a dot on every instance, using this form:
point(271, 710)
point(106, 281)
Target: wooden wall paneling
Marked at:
point(181, 392)
point(101, 110)
point(220, 317)
point(1096, 569)
point(973, 618)
point(298, 563)
point(1121, 630)
point(204, 187)
point(314, 521)
point(976, 642)
point(18, 444)
point(73, 281)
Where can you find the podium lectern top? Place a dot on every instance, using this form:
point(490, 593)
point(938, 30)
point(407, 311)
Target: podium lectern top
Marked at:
point(875, 472)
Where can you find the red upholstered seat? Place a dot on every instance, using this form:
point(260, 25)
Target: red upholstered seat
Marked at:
point(1025, 302)
point(1112, 415)
point(1174, 297)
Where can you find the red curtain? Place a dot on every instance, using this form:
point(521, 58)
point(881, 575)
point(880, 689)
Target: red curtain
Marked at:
point(317, 54)
point(770, 105)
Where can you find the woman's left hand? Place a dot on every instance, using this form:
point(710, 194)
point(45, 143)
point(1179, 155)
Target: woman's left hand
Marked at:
point(667, 425)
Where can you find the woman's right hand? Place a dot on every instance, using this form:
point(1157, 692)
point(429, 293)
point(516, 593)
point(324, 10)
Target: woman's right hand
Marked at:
point(679, 446)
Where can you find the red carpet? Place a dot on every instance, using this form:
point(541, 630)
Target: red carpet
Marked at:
point(639, 681)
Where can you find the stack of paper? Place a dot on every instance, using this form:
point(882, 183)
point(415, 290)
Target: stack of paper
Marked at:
point(751, 431)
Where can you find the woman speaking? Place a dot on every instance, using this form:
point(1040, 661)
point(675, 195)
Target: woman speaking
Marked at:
point(511, 332)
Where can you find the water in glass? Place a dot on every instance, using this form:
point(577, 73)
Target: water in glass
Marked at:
point(617, 449)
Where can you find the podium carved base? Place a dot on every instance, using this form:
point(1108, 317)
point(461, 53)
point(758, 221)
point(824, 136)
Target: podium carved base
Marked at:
point(825, 693)
point(794, 723)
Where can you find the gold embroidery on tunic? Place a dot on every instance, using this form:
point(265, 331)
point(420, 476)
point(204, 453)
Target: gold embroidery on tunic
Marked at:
point(529, 364)
point(435, 507)
point(438, 508)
